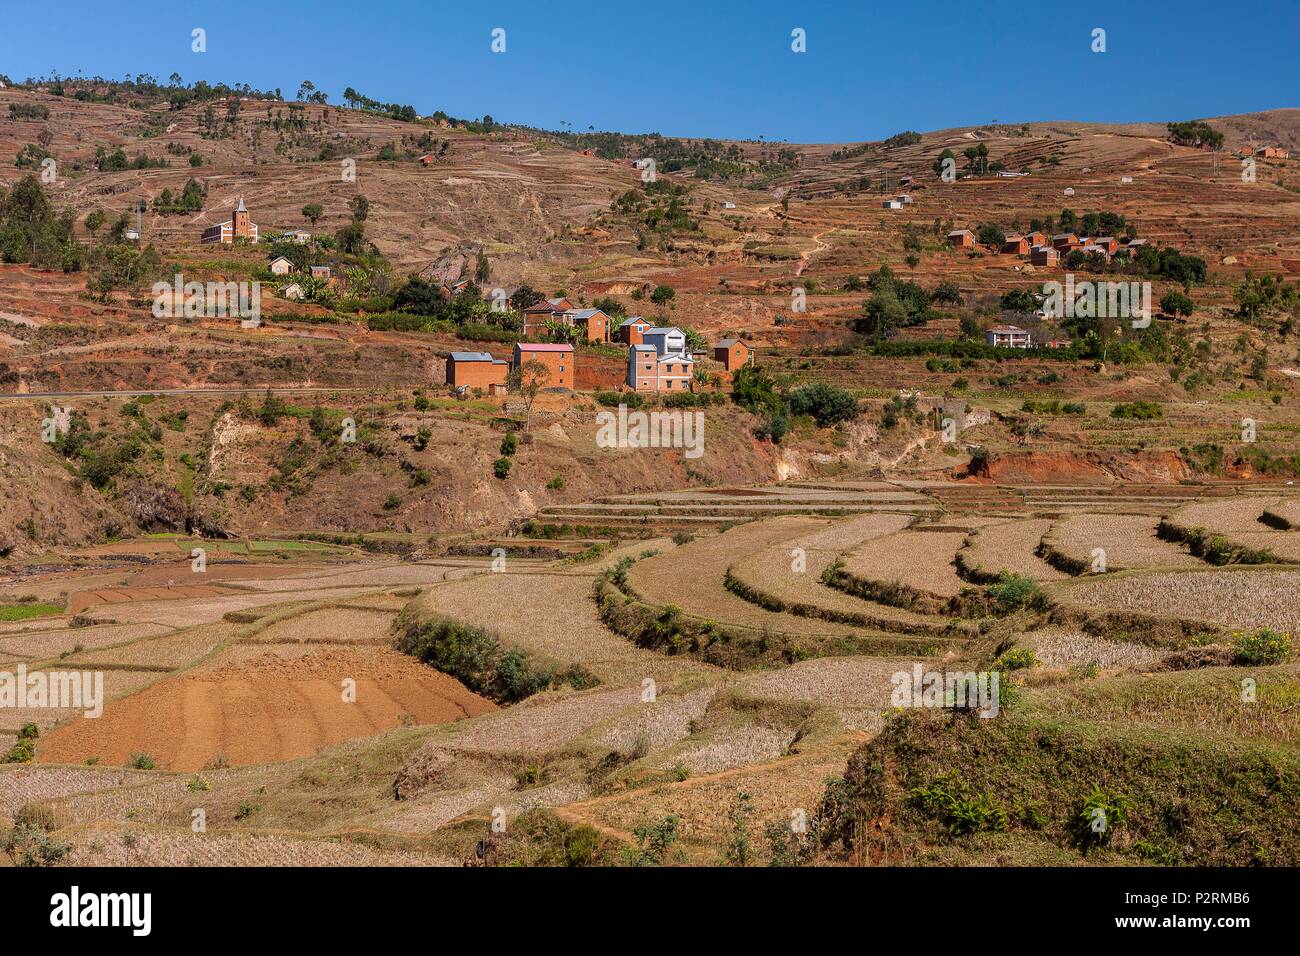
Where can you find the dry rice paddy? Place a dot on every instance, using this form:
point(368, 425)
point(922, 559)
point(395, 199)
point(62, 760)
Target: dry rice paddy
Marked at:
point(1234, 597)
point(1127, 541)
point(921, 560)
point(1009, 546)
point(692, 578)
point(1060, 648)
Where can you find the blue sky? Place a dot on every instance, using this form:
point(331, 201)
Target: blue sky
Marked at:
point(710, 67)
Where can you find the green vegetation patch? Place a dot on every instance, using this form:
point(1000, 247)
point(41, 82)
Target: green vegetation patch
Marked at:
point(972, 790)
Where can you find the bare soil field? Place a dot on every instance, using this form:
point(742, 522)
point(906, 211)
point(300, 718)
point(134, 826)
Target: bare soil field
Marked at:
point(264, 709)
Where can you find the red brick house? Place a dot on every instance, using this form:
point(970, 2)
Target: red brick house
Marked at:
point(558, 359)
point(1036, 237)
point(1044, 256)
point(476, 370)
point(593, 322)
point(632, 330)
point(1015, 246)
point(536, 316)
point(961, 239)
point(1065, 240)
point(732, 353)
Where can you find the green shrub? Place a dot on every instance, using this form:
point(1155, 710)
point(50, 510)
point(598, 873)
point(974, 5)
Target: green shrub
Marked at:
point(615, 399)
point(475, 657)
point(31, 846)
point(1264, 646)
point(509, 444)
point(501, 468)
point(948, 799)
point(1016, 659)
point(827, 404)
point(142, 761)
point(1141, 411)
point(1013, 591)
point(1100, 816)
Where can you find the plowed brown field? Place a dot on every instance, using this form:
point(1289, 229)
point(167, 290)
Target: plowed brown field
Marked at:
point(266, 709)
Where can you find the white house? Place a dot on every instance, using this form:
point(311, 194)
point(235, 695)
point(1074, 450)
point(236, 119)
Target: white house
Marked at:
point(1007, 337)
point(280, 266)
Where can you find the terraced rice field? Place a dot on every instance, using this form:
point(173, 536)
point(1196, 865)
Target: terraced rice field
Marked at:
point(552, 615)
point(25, 783)
point(771, 571)
point(1224, 515)
point(1062, 648)
point(1010, 546)
point(1235, 597)
point(48, 644)
point(334, 625)
point(1288, 511)
point(692, 578)
point(145, 848)
point(922, 560)
point(1237, 519)
point(1128, 541)
point(169, 651)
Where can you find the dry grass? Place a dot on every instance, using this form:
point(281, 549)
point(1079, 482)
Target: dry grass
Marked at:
point(332, 625)
point(692, 578)
point(921, 560)
point(1129, 541)
point(1009, 546)
point(1234, 597)
point(1061, 648)
point(51, 643)
point(778, 788)
point(149, 848)
point(771, 570)
point(1207, 702)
